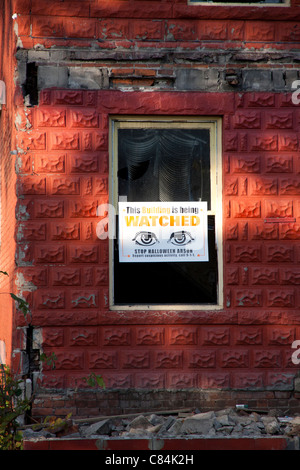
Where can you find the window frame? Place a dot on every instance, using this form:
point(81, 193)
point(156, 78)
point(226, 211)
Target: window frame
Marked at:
point(214, 123)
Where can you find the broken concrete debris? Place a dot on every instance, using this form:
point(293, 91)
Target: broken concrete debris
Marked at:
point(223, 423)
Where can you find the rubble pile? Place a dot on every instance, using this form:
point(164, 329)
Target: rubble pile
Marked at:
point(224, 423)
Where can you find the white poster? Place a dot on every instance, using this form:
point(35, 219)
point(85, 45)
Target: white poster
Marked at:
point(163, 231)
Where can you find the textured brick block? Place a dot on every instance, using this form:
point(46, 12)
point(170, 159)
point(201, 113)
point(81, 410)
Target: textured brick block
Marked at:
point(135, 360)
point(83, 254)
point(101, 276)
point(183, 336)
point(234, 358)
point(31, 185)
point(49, 163)
point(147, 29)
point(182, 380)
point(212, 30)
point(100, 139)
point(248, 336)
point(259, 31)
point(288, 31)
point(248, 298)
point(281, 298)
point(232, 276)
point(103, 360)
point(279, 209)
point(290, 232)
point(282, 120)
point(83, 337)
point(168, 359)
point(249, 381)
point(289, 187)
point(47, 27)
point(246, 209)
point(263, 186)
point(215, 336)
point(247, 120)
point(36, 276)
point(279, 164)
point(49, 208)
point(265, 276)
point(66, 277)
point(50, 254)
point(84, 163)
point(202, 359)
point(261, 100)
point(113, 28)
point(150, 380)
point(279, 254)
point(65, 140)
point(83, 118)
point(80, 208)
point(47, 300)
point(32, 231)
point(48, 117)
point(231, 187)
point(66, 231)
point(281, 336)
point(287, 143)
point(118, 380)
point(69, 361)
point(290, 276)
point(211, 380)
point(280, 381)
point(263, 231)
point(267, 358)
point(116, 337)
point(150, 336)
point(80, 27)
point(264, 142)
point(246, 164)
point(181, 30)
point(84, 299)
point(53, 337)
point(67, 186)
point(101, 185)
point(246, 253)
point(68, 97)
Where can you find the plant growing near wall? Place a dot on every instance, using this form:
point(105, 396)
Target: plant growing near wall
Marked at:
point(12, 406)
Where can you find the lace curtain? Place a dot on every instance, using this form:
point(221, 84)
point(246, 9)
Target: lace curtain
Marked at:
point(164, 164)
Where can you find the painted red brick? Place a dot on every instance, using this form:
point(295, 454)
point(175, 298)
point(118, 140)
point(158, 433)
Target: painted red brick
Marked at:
point(62, 177)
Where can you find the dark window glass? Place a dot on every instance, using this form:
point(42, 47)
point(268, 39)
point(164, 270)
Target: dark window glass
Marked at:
point(165, 165)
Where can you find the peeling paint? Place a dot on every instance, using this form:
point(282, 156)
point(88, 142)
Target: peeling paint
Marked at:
point(83, 300)
point(24, 285)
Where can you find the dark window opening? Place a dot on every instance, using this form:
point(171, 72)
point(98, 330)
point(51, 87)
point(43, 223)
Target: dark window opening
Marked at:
point(166, 165)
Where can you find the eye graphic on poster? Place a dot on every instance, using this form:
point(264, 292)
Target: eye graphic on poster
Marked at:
point(181, 238)
point(163, 231)
point(145, 238)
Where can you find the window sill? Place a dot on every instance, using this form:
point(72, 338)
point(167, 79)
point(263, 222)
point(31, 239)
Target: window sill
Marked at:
point(167, 307)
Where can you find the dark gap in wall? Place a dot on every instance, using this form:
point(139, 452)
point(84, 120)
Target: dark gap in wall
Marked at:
point(33, 361)
point(30, 87)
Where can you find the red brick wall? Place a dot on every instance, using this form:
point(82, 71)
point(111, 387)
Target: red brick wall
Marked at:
point(63, 177)
point(246, 344)
point(8, 181)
